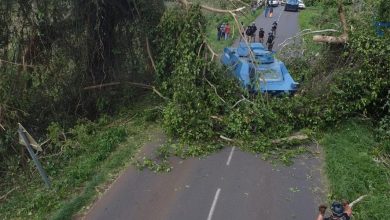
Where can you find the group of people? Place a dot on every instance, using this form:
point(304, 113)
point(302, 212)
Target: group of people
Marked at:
point(250, 32)
point(223, 31)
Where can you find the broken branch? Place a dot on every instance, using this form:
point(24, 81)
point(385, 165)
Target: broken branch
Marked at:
point(357, 200)
point(226, 138)
point(343, 38)
point(216, 118)
point(150, 54)
point(208, 8)
point(141, 85)
point(9, 192)
point(215, 90)
point(298, 137)
point(17, 64)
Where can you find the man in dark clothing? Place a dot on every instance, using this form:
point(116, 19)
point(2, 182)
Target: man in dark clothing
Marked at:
point(253, 32)
point(270, 41)
point(266, 8)
point(261, 35)
point(219, 33)
point(274, 26)
point(339, 211)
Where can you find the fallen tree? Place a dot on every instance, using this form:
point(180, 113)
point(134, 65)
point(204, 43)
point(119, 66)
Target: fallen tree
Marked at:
point(343, 38)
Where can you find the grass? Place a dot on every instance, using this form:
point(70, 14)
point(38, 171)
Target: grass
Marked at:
point(92, 157)
point(308, 19)
point(352, 171)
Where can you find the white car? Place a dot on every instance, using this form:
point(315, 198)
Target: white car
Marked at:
point(275, 3)
point(301, 5)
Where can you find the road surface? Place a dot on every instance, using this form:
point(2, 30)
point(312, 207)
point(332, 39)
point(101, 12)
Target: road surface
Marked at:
point(287, 26)
point(229, 185)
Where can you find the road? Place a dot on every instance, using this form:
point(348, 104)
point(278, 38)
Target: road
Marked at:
point(228, 185)
point(287, 25)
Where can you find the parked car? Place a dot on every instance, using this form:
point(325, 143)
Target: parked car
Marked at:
point(282, 2)
point(301, 5)
point(275, 3)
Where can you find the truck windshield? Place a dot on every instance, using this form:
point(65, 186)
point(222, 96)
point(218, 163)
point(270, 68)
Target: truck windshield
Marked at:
point(292, 2)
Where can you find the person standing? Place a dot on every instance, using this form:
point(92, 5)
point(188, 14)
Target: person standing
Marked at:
point(254, 7)
point(270, 41)
point(253, 31)
point(223, 31)
point(271, 12)
point(261, 35)
point(266, 8)
point(227, 31)
point(274, 27)
point(242, 28)
point(219, 33)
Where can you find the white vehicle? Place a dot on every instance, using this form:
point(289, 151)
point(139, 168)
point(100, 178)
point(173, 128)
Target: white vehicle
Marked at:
point(275, 3)
point(301, 5)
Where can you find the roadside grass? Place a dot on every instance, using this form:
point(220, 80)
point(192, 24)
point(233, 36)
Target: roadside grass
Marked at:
point(91, 157)
point(352, 171)
point(308, 19)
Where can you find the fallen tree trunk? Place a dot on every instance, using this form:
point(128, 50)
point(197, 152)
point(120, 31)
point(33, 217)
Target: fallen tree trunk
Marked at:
point(140, 85)
point(297, 137)
point(330, 39)
point(208, 8)
point(343, 38)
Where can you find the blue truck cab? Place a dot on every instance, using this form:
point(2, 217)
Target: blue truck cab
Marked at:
point(291, 5)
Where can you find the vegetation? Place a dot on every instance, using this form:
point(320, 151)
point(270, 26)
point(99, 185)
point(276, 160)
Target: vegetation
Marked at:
point(64, 72)
point(352, 172)
point(90, 154)
point(50, 51)
point(357, 153)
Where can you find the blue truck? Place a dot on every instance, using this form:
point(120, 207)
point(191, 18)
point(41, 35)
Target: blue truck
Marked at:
point(259, 71)
point(291, 5)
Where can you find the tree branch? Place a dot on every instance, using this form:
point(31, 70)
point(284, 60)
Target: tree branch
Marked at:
point(226, 138)
point(343, 38)
point(242, 99)
point(356, 201)
point(208, 8)
point(212, 52)
point(17, 64)
point(303, 33)
point(141, 85)
point(215, 90)
point(5, 195)
point(150, 54)
point(297, 137)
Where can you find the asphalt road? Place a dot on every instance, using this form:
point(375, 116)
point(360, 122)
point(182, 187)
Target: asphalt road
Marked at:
point(287, 25)
point(229, 185)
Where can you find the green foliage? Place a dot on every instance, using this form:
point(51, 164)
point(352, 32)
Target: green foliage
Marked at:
point(206, 102)
point(53, 49)
point(384, 11)
point(81, 159)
